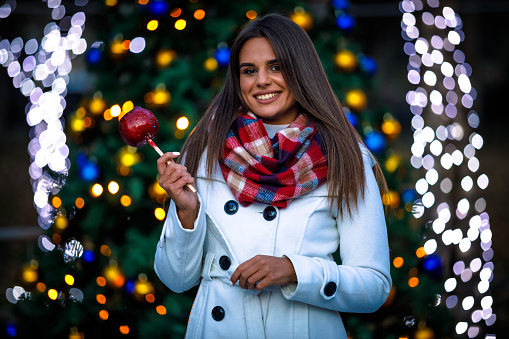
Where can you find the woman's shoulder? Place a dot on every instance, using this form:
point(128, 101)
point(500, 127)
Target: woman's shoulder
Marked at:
point(367, 156)
point(202, 169)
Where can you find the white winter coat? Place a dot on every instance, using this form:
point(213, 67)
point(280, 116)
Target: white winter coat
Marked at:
point(306, 233)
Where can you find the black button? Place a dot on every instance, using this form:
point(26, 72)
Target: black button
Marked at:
point(218, 313)
point(231, 207)
point(269, 213)
point(225, 262)
point(330, 289)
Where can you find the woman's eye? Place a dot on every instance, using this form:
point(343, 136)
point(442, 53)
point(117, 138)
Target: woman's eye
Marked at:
point(248, 71)
point(275, 68)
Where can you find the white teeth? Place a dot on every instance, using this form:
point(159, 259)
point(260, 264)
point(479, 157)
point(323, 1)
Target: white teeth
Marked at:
point(266, 96)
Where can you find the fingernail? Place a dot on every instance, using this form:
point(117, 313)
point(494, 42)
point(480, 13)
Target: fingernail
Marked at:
point(176, 153)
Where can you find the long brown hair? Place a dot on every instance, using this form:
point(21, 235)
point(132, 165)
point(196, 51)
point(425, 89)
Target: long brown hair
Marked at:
point(306, 79)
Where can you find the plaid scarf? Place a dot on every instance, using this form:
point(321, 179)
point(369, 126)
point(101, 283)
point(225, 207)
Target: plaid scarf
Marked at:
point(275, 171)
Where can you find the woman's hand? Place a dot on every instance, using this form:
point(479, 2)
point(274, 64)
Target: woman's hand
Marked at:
point(262, 271)
point(172, 178)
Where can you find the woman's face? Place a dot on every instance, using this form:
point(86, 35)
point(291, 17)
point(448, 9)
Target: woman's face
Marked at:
point(262, 85)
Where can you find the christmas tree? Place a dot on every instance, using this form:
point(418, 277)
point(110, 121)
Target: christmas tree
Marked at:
point(93, 272)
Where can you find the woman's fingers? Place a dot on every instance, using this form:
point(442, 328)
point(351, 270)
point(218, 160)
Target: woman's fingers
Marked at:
point(262, 271)
point(165, 160)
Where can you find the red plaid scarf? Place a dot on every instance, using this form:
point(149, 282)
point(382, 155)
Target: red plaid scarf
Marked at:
point(275, 171)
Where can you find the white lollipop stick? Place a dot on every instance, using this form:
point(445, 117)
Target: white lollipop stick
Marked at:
point(158, 150)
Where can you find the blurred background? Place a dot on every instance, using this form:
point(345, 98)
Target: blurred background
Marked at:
point(81, 212)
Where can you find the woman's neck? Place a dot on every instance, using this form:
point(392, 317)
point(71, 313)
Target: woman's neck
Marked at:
point(273, 129)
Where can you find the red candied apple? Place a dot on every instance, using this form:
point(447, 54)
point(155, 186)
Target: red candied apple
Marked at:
point(138, 125)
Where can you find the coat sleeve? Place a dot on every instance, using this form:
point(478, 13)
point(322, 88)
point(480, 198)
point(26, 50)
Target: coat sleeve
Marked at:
point(362, 282)
point(178, 259)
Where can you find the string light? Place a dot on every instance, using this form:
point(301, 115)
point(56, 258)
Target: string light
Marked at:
point(40, 70)
point(444, 148)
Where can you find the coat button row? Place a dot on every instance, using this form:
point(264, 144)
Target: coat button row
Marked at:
point(225, 262)
point(231, 207)
point(330, 288)
point(269, 213)
point(218, 313)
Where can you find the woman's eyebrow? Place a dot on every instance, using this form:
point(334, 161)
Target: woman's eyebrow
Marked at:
point(248, 64)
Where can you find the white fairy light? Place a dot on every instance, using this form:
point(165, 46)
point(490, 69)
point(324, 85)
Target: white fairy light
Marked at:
point(445, 146)
point(42, 76)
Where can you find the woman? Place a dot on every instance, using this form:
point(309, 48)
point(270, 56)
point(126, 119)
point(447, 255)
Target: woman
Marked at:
point(283, 181)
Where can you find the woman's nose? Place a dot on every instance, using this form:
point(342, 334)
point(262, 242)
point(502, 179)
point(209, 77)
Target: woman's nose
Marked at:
point(263, 79)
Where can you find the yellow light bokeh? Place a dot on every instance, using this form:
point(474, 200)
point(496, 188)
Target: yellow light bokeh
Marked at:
point(210, 64)
point(124, 329)
point(143, 2)
point(251, 14)
point(116, 47)
point(101, 281)
point(111, 3)
point(143, 287)
point(125, 200)
point(30, 275)
point(77, 125)
point(346, 60)
point(115, 110)
point(128, 159)
point(356, 100)
point(101, 299)
point(398, 262)
point(182, 123)
point(392, 163)
point(391, 199)
point(113, 187)
point(96, 190)
point(199, 14)
point(97, 106)
point(61, 222)
point(158, 189)
point(159, 213)
point(164, 57)
point(152, 25)
point(161, 97)
point(303, 19)
point(161, 310)
point(105, 250)
point(391, 128)
point(104, 315)
point(127, 106)
point(52, 294)
point(413, 282)
point(69, 279)
point(180, 24)
point(420, 252)
point(56, 202)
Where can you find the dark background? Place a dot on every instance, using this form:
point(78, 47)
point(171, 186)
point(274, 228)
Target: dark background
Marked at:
point(486, 47)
